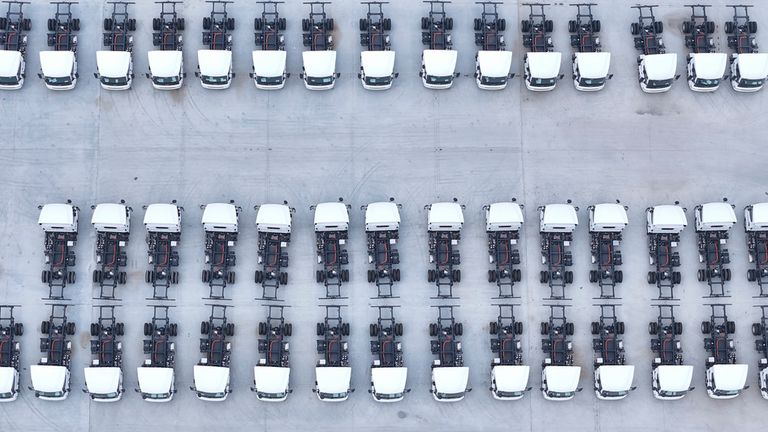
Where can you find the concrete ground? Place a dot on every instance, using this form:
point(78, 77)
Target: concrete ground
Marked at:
point(420, 146)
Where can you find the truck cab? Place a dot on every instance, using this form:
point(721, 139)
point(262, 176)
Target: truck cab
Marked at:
point(12, 69)
point(10, 354)
point(59, 69)
point(559, 383)
point(9, 383)
point(166, 69)
point(13, 46)
point(715, 216)
point(104, 384)
point(492, 69)
point(705, 70)
point(211, 382)
point(156, 384)
point(613, 382)
point(542, 70)
point(671, 382)
point(215, 69)
point(388, 383)
point(748, 71)
point(449, 383)
point(319, 70)
point(725, 378)
point(657, 72)
point(726, 381)
point(377, 69)
point(332, 384)
point(50, 382)
point(437, 68)
point(271, 375)
point(271, 382)
point(269, 69)
point(115, 69)
point(333, 374)
point(590, 70)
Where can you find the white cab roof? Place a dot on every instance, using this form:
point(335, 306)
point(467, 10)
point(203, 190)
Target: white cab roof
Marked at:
point(111, 217)
point(510, 378)
point(268, 63)
point(214, 63)
point(48, 378)
point(102, 380)
point(504, 215)
point(445, 215)
point(450, 379)
point(377, 63)
point(756, 217)
point(720, 213)
point(211, 379)
point(544, 64)
point(666, 216)
point(616, 378)
point(333, 379)
point(270, 379)
point(494, 63)
point(165, 63)
point(155, 380)
point(9, 63)
point(57, 63)
point(61, 216)
point(440, 62)
point(319, 63)
point(273, 218)
point(559, 217)
point(710, 65)
point(331, 215)
point(593, 64)
point(162, 215)
point(7, 378)
point(753, 66)
point(730, 377)
point(220, 217)
point(608, 217)
point(675, 378)
point(389, 380)
point(562, 379)
point(660, 66)
point(382, 216)
point(113, 64)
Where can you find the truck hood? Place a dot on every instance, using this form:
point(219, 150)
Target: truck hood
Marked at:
point(389, 380)
point(593, 64)
point(450, 380)
point(544, 64)
point(511, 378)
point(616, 378)
point(710, 65)
point(155, 380)
point(10, 62)
point(562, 379)
point(211, 379)
point(270, 379)
point(377, 64)
point(494, 64)
point(675, 378)
point(660, 66)
point(440, 62)
point(268, 63)
point(102, 380)
point(214, 63)
point(113, 64)
point(165, 63)
point(57, 63)
point(7, 379)
point(333, 379)
point(47, 378)
point(753, 66)
point(730, 377)
point(319, 63)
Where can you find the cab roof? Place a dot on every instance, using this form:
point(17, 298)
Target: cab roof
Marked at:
point(9, 63)
point(609, 214)
point(48, 378)
point(273, 218)
point(377, 63)
point(381, 213)
point(710, 65)
point(7, 379)
point(331, 213)
point(440, 62)
point(268, 63)
point(165, 215)
point(57, 63)
point(217, 214)
point(544, 64)
point(270, 379)
point(753, 66)
point(56, 214)
point(730, 377)
point(616, 378)
point(660, 66)
point(214, 63)
point(389, 380)
point(211, 379)
point(560, 214)
point(450, 379)
point(165, 63)
point(760, 213)
point(562, 379)
point(494, 63)
point(445, 213)
point(717, 213)
point(155, 380)
point(110, 214)
point(675, 378)
point(113, 64)
point(331, 379)
point(670, 215)
point(511, 378)
point(504, 213)
point(319, 63)
point(593, 64)
point(102, 380)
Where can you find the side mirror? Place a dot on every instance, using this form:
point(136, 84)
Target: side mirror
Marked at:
point(338, 74)
point(234, 74)
point(469, 389)
point(561, 76)
point(610, 76)
point(351, 390)
point(370, 391)
point(528, 388)
point(133, 75)
point(746, 387)
point(633, 388)
point(77, 75)
point(407, 390)
point(691, 388)
point(301, 75)
point(147, 75)
point(41, 77)
point(192, 388)
point(512, 75)
point(457, 75)
point(314, 390)
point(197, 74)
point(184, 75)
point(579, 389)
point(85, 391)
point(250, 74)
point(639, 80)
point(137, 390)
point(96, 75)
point(397, 74)
point(710, 388)
point(421, 74)
point(290, 391)
point(288, 75)
point(253, 389)
point(677, 77)
point(475, 75)
point(30, 387)
point(359, 76)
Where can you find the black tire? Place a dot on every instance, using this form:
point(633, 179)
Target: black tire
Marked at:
point(502, 24)
point(596, 26)
point(44, 327)
point(156, 23)
point(620, 327)
point(424, 23)
point(491, 276)
point(449, 23)
point(71, 277)
point(284, 278)
point(549, 26)
point(231, 276)
point(76, 24)
point(173, 330)
point(397, 275)
point(634, 29)
point(595, 327)
point(618, 276)
point(174, 277)
point(206, 23)
point(569, 328)
point(329, 24)
point(543, 276)
point(363, 24)
point(730, 327)
point(282, 23)
point(701, 275)
point(517, 275)
point(387, 24)
point(318, 331)
point(95, 276)
point(371, 330)
point(147, 329)
point(757, 329)
point(122, 278)
point(710, 27)
point(345, 274)
point(304, 24)
point(678, 329)
point(519, 327)
point(430, 275)
point(230, 24)
point(70, 328)
point(571, 26)
point(752, 26)
point(107, 24)
point(677, 277)
point(399, 329)
point(203, 327)
point(120, 329)
point(458, 275)
point(651, 278)
point(653, 328)
point(476, 24)
point(525, 26)
point(544, 329)
point(318, 276)
point(751, 275)
point(18, 329)
point(659, 27)
point(204, 276)
point(231, 326)
point(492, 328)
point(432, 329)
point(593, 276)
point(727, 274)
point(686, 27)
point(262, 329)
point(728, 27)
point(43, 276)
point(94, 329)
point(345, 329)
point(459, 329)
point(569, 277)
point(705, 327)
point(288, 329)
point(147, 276)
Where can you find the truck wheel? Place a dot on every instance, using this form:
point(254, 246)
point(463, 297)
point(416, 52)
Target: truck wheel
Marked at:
point(595, 328)
point(548, 26)
point(659, 27)
point(76, 24)
point(430, 275)
point(18, 329)
point(517, 275)
point(491, 275)
point(231, 277)
point(43, 276)
point(387, 24)
point(288, 330)
point(571, 26)
point(569, 277)
point(397, 274)
point(284, 278)
point(345, 329)
point(71, 277)
point(363, 24)
point(728, 27)
point(730, 327)
point(752, 26)
point(147, 329)
point(678, 328)
point(107, 24)
point(44, 327)
point(618, 276)
point(757, 329)
point(371, 330)
point(705, 327)
point(231, 326)
point(569, 328)
point(398, 329)
point(651, 278)
point(203, 327)
point(329, 24)
point(502, 24)
point(457, 277)
point(686, 27)
point(677, 277)
point(635, 29)
point(620, 327)
point(653, 328)
point(317, 329)
point(492, 327)
point(230, 23)
point(122, 276)
point(525, 26)
point(751, 275)
point(94, 329)
point(174, 277)
point(432, 329)
point(204, 276)
point(701, 275)
point(519, 327)
point(592, 276)
point(596, 26)
point(458, 329)
point(262, 329)
point(95, 276)
point(155, 24)
point(120, 329)
point(206, 23)
point(727, 274)
point(180, 24)
point(70, 328)
point(544, 329)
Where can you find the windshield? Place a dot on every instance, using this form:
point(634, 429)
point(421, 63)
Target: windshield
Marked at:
point(508, 394)
point(155, 395)
point(750, 82)
point(332, 395)
point(449, 395)
point(114, 81)
point(165, 80)
point(701, 82)
point(591, 82)
point(58, 81)
point(388, 395)
point(49, 394)
point(543, 82)
point(727, 392)
point(613, 393)
point(432, 79)
point(263, 395)
point(207, 395)
point(214, 80)
point(493, 80)
point(554, 394)
point(665, 393)
point(378, 81)
point(319, 81)
point(270, 80)
point(658, 83)
point(110, 395)
point(9, 80)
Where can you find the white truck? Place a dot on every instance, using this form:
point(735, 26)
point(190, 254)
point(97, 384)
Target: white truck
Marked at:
point(214, 63)
point(557, 222)
point(509, 376)
point(438, 61)
point(269, 62)
point(377, 60)
point(760, 329)
point(748, 67)
point(51, 376)
point(382, 225)
point(331, 222)
point(388, 371)
point(333, 374)
point(163, 225)
point(60, 224)
point(112, 222)
point(59, 65)
point(273, 225)
point(655, 67)
point(271, 376)
point(104, 377)
point(713, 223)
point(503, 221)
point(319, 70)
point(590, 63)
point(220, 223)
point(115, 63)
point(13, 46)
point(725, 378)
point(10, 354)
point(492, 62)
point(444, 223)
point(211, 374)
point(541, 64)
point(166, 63)
point(612, 376)
point(559, 377)
point(606, 223)
point(157, 380)
point(706, 67)
point(756, 228)
point(670, 377)
point(664, 223)
point(450, 378)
